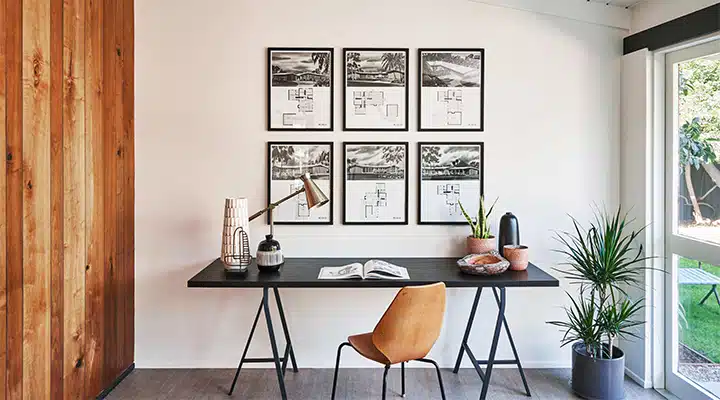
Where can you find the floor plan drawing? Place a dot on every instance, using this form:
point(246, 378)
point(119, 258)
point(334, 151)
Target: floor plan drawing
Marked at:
point(374, 201)
point(301, 207)
point(453, 99)
point(304, 98)
point(451, 192)
point(364, 100)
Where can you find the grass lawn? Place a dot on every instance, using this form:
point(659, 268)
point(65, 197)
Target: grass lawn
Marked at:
point(702, 332)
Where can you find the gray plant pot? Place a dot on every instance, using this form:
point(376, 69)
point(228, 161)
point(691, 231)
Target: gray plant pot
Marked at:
point(598, 379)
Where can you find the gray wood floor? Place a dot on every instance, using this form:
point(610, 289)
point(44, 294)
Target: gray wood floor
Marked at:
point(361, 384)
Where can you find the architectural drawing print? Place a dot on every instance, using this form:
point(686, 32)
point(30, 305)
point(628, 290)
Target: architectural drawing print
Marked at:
point(450, 175)
point(376, 183)
point(287, 162)
point(451, 95)
point(300, 88)
point(376, 88)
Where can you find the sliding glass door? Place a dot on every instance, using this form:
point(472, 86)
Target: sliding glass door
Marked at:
point(692, 222)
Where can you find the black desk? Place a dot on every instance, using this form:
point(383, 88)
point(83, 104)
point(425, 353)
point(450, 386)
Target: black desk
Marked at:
point(303, 272)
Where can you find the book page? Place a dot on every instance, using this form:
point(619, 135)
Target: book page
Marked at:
point(350, 271)
point(379, 269)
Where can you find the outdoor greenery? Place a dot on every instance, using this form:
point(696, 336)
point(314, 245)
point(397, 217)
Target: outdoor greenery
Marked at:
point(701, 329)
point(699, 113)
point(479, 227)
point(603, 261)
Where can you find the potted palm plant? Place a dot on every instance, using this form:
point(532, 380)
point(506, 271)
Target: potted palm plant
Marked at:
point(604, 261)
point(480, 239)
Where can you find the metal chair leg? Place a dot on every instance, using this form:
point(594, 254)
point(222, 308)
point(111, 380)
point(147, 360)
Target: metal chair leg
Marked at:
point(437, 369)
point(402, 378)
point(384, 389)
point(337, 367)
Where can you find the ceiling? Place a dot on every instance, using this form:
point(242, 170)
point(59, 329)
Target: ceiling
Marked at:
point(618, 3)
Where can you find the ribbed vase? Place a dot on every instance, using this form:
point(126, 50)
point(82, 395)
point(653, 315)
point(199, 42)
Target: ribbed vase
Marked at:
point(233, 249)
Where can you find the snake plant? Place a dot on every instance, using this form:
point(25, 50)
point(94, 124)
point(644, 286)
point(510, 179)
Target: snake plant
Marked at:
point(479, 227)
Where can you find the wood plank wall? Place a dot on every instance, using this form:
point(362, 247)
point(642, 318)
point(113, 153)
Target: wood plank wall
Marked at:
point(66, 197)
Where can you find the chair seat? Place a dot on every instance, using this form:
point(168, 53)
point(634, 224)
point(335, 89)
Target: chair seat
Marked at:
point(364, 345)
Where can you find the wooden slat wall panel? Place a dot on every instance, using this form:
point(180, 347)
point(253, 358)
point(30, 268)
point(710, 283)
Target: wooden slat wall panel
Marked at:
point(119, 126)
point(36, 207)
point(67, 191)
point(3, 207)
point(95, 205)
point(14, 197)
point(110, 134)
point(129, 173)
point(56, 200)
point(73, 108)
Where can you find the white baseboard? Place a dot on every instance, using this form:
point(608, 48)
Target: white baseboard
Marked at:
point(640, 381)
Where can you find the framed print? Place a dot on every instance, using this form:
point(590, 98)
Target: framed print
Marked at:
point(452, 85)
point(375, 89)
point(300, 89)
point(450, 174)
point(287, 161)
point(376, 183)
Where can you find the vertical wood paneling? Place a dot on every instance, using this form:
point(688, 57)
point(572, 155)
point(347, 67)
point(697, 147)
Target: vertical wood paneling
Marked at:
point(14, 198)
point(67, 196)
point(56, 200)
point(119, 157)
point(74, 196)
point(3, 207)
point(110, 133)
point(95, 205)
point(36, 206)
point(129, 172)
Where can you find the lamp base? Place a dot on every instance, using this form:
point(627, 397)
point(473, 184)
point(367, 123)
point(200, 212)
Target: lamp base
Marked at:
point(269, 256)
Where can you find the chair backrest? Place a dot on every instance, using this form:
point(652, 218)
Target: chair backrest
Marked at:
point(411, 325)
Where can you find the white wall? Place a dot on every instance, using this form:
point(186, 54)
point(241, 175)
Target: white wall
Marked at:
point(655, 12)
point(552, 148)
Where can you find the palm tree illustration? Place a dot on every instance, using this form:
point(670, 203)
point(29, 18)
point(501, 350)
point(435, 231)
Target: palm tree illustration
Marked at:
point(394, 62)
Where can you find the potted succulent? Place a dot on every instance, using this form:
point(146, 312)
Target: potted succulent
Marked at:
point(480, 240)
point(604, 261)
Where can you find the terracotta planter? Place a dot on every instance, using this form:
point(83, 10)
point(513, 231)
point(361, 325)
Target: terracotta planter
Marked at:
point(480, 246)
point(517, 255)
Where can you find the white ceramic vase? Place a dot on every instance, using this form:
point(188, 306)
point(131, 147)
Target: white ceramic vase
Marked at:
point(232, 252)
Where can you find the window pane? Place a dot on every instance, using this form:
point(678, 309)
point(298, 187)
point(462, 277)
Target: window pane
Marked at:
point(698, 127)
point(699, 323)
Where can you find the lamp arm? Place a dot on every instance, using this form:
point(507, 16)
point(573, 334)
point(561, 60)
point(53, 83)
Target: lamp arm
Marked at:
point(275, 204)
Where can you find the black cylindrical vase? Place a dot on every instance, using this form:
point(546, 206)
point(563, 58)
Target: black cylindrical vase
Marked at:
point(509, 232)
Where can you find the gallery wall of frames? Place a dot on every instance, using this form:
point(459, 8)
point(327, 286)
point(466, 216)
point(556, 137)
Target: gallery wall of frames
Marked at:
point(375, 98)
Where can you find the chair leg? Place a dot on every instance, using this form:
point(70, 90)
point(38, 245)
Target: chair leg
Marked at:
point(384, 389)
point(337, 367)
point(437, 369)
point(402, 378)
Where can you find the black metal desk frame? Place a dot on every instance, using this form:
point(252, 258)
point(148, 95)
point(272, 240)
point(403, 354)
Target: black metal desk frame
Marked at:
point(213, 278)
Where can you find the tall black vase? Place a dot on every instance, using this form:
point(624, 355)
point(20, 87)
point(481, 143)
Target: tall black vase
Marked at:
point(509, 232)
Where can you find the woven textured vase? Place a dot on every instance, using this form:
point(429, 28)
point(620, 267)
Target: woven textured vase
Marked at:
point(235, 251)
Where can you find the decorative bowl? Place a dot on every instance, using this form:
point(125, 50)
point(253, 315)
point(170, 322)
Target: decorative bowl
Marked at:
point(490, 263)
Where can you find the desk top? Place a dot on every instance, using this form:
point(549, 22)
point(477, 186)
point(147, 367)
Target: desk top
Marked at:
point(303, 272)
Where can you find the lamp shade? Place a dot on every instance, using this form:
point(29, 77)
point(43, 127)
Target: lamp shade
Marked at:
point(315, 196)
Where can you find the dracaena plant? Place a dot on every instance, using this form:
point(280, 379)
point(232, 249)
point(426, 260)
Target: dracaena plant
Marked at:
point(604, 261)
point(479, 227)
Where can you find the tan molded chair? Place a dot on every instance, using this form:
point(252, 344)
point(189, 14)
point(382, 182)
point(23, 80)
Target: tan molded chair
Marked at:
point(406, 332)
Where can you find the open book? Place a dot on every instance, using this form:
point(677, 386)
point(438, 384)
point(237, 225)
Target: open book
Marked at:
point(373, 269)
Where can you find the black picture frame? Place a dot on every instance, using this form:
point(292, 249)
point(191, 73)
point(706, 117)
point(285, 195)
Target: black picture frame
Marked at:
point(406, 188)
point(331, 67)
point(347, 50)
point(329, 194)
point(420, 52)
point(419, 177)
